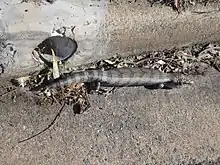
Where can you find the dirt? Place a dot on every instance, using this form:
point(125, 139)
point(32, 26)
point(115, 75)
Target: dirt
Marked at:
point(104, 29)
point(130, 126)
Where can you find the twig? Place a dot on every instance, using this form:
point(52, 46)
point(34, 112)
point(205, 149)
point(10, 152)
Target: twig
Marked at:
point(56, 73)
point(58, 114)
point(209, 49)
point(5, 93)
point(205, 12)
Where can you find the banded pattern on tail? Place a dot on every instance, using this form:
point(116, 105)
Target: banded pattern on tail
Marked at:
point(118, 77)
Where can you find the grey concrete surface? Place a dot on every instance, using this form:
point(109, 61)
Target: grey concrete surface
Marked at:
point(130, 126)
point(103, 28)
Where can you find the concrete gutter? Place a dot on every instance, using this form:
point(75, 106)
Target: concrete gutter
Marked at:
point(103, 29)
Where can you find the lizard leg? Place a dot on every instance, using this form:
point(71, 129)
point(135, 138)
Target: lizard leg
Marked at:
point(92, 86)
point(155, 86)
point(170, 85)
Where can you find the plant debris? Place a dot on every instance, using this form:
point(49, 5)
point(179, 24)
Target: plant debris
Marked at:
point(181, 5)
point(194, 60)
point(74, 94)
